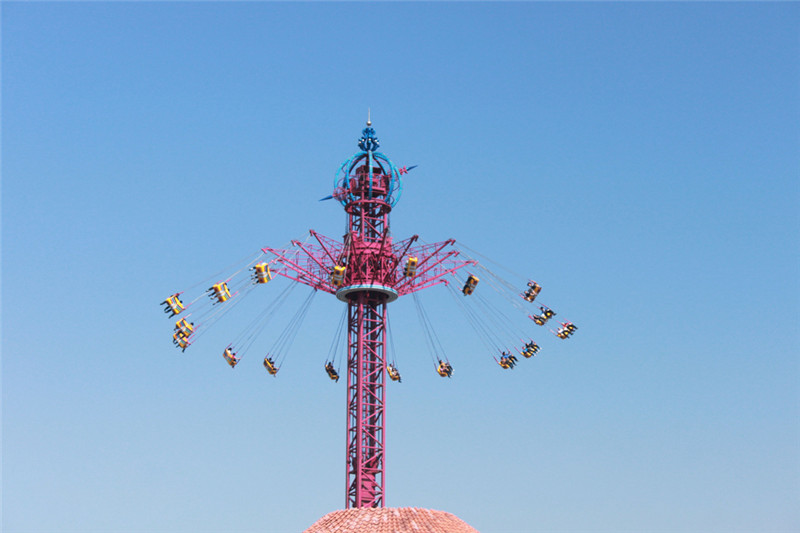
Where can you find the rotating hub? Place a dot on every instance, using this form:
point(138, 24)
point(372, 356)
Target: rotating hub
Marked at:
point(343, 293)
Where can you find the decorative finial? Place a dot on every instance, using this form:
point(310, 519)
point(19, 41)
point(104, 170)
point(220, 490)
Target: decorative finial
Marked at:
point(368, 142)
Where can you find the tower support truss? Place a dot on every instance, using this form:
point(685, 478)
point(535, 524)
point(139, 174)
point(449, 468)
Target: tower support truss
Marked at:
point(366, 399)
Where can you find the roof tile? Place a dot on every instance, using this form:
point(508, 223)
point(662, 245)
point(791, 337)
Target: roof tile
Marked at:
point(390, 520)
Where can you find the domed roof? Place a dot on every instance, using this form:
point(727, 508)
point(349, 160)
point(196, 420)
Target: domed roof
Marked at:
point(390, 520)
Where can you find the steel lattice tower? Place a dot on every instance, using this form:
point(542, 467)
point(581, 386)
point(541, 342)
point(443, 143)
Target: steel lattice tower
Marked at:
point(366, 271)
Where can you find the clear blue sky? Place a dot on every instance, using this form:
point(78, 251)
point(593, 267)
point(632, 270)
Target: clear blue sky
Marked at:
point(640, 160)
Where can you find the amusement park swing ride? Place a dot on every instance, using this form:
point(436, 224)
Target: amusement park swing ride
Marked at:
point(366, 271)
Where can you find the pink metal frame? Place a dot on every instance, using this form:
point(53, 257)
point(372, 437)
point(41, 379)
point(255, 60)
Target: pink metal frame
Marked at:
point(366, 398)
point(374, 271)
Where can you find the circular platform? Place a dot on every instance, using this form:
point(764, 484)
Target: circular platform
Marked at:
point(391, 294)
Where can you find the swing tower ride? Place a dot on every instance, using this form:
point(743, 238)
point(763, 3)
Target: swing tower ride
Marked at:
point(367, 271)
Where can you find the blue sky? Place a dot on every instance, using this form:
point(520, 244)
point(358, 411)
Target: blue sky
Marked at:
point(640, 160)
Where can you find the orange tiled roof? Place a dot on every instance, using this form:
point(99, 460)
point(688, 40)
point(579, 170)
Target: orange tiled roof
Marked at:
point(389, 520)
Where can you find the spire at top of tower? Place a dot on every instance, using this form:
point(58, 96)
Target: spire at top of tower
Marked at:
point(368, 142)
point(369, 122)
